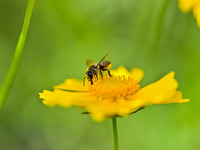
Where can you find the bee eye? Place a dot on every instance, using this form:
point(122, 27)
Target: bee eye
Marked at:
point(90, 74)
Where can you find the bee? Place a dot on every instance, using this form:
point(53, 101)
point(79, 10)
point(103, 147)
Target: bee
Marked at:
point(95, 69)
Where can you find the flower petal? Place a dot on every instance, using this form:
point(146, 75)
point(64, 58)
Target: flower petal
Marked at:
point(107, 108)
point(66, 99)
point(101, 109)
point(187, 5)
point(121, 71)
point(137, 74)
point(160, 92)
point(176, 98)
point(196, 12)
point(72, 85)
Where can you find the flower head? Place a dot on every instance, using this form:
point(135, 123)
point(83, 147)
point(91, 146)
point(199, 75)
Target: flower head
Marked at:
point(119, 95)
point(188, 5)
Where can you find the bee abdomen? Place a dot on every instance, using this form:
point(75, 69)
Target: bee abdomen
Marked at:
point(106, 64)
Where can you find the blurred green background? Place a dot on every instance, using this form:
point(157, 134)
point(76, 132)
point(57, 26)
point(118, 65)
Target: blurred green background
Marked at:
point(151, 34)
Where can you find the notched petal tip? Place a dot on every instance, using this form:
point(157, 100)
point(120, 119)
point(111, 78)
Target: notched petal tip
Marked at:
point(44, 94)
point(47, 98)
point(177, 98)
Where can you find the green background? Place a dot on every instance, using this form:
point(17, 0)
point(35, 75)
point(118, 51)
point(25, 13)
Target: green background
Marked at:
point(151, 34)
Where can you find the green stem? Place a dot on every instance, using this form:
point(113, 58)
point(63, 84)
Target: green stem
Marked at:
point(11, 74)
point(159, 25)
point(115, 133)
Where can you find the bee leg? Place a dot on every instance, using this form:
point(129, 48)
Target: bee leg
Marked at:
point(96, 75)
point(91, 82)
point(101, 73)
point(108, 71)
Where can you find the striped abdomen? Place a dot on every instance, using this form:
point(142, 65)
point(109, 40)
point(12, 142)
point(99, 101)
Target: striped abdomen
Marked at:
point(105, 65)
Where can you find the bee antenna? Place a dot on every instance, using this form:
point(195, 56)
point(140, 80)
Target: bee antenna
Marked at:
point(84, 81)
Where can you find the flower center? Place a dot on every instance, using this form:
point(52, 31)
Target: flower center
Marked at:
point(114, 87)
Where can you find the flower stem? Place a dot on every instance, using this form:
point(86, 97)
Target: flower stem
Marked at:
point(11, 74)
point(115, 133)
point(159, 25)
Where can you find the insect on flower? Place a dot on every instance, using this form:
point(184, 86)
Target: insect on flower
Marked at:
point(98, 68)
point(116, 96)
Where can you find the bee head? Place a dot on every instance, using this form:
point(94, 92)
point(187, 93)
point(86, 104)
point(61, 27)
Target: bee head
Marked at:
point(89, 74)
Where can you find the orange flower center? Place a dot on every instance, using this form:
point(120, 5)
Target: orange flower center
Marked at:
point(114, 87)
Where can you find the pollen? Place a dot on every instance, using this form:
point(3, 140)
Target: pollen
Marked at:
point(114, 87)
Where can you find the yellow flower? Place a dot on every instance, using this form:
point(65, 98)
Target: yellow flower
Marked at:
point(119, 95)
point(188, 5)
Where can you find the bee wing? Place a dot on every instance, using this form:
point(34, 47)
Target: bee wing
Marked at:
point(102, 59)
point(89, 62)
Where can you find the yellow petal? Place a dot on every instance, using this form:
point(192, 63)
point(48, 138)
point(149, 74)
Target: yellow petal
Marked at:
point(67, 99)
point(72, 84)
point(100, 109)
point(121, 71)
point(176, 98)
point(125, 107)
point(107, 108)
point(160, 92)
point(196, 12)
point(137, 74)
point(187, 5)
point(48, 95)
